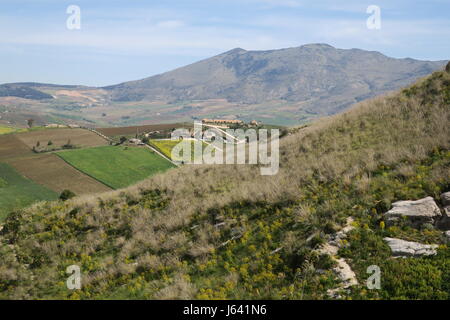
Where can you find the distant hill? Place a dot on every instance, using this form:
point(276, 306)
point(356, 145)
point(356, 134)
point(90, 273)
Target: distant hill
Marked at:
point(283, 87)
point(25, 91)
point(326, 79)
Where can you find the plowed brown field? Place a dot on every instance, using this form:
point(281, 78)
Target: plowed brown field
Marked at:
point(59, 137)
point(12, 147)
point(51, 171)
point(112, 132)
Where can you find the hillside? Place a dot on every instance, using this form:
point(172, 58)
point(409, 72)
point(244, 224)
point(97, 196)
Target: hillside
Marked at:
point(227, 232)
point(323, 78)
point(22, 91)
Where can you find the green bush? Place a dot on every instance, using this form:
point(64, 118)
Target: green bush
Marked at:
point(66, 195)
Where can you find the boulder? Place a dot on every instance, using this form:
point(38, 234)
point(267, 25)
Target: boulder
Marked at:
point(445, 198)
point(402, 248)
point(416, 212)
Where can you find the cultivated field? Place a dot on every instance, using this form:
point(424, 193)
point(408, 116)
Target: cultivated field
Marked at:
point(11, 147)
point(17, 192)
point(112, 132)
point(4, 129)
point(166, 147)
point(54, 173)
point(32, 177)
point(116, 167)
point(60, 137)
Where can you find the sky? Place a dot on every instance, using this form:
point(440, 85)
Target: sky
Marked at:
point(122, 40)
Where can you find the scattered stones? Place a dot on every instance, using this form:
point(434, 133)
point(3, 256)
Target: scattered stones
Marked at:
point(402, 248)
point(416, 212)
point(345, 273)
point(219, 225)
point(337, 238)
point(276, 250)
point(343, 270)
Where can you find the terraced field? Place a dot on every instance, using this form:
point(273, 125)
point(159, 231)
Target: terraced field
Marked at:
point(17, 192)
point(116, 166)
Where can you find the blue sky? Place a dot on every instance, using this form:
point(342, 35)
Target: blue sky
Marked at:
point(123, 40)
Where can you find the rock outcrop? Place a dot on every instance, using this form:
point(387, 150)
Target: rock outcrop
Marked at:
point(342, 270)
point(345, 273)
point(415, 212)
point(402, 248)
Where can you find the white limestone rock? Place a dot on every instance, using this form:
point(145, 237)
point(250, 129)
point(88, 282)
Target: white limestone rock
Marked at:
point(416, 212)
point(402, 248)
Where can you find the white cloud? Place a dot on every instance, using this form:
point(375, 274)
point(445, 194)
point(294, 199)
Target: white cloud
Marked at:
point(163, 31)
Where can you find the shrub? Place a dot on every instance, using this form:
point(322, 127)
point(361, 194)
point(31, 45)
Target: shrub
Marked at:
point(66, 195)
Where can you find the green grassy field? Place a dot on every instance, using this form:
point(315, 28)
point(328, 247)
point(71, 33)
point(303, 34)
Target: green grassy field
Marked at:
point(17, 192)
point(5, 129)
point(117, 167)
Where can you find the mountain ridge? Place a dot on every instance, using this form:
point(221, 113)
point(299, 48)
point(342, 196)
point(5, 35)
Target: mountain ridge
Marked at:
point(287, 86)
point(291, 74)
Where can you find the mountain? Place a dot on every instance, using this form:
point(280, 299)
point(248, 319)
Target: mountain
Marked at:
point(284, 87)
point(227, 232)
point(324, 79)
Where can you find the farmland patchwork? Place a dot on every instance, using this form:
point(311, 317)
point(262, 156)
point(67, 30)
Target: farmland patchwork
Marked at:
point(31, 170)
